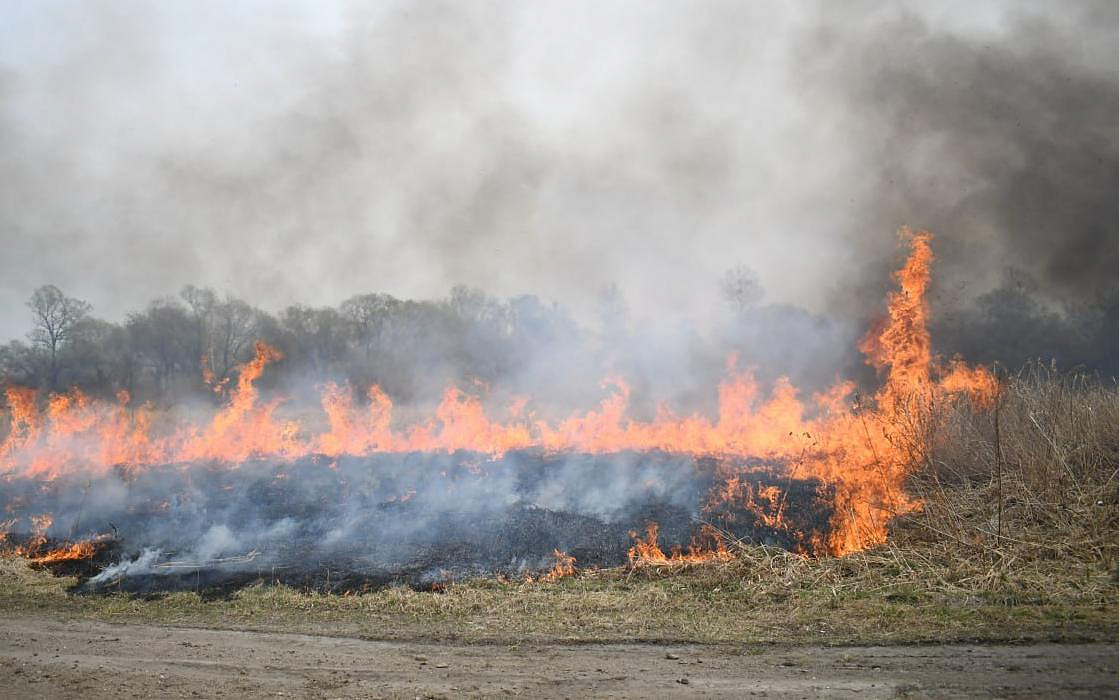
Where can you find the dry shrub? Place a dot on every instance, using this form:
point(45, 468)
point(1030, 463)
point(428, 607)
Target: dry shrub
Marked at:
point(1027, 489)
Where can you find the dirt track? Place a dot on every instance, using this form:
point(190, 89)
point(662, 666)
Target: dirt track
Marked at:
point(44, 657)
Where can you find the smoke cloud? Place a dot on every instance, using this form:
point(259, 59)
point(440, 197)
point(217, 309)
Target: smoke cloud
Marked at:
point(305, 152)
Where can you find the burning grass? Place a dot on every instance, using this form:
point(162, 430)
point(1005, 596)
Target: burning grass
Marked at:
point(967, 507)
point(1016, 539)
point(859, 450)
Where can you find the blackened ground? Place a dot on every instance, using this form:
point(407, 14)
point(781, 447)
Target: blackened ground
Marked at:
point(420, 519)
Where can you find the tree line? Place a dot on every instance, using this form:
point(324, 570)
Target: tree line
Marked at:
point(184, 345)
point(187, 344)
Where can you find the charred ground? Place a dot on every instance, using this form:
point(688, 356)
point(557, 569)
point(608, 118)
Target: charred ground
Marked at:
point(424, 520)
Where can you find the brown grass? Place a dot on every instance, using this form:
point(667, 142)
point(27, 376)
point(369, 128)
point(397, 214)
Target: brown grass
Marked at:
point(763, 597)
point(1024, 493)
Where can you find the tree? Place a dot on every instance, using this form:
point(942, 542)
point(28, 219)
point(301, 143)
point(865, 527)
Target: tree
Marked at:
point(201, 302)
point(224, 330)
point(235, 329)
point(316, 338)
point(56, 317)
point(740, 288)
point(21, 363)
point(162, 338)
point(98, 358)
point(368, 315)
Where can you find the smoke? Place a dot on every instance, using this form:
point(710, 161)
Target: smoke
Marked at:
point(304, 152)
point(618, 159)
point(998, 137)
point(415, 518)
point(142, 564)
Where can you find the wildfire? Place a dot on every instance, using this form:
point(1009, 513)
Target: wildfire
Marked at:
point(564, 566)
point(34, 546)
point(859, 448)
point(78, 550)
point(647, 552)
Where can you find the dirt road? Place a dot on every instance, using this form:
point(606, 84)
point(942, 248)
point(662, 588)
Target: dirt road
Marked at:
point(46, 657)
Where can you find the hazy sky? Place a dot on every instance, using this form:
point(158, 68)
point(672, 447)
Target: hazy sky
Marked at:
point(305, 152)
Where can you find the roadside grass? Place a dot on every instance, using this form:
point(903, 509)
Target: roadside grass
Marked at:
point(762, 597)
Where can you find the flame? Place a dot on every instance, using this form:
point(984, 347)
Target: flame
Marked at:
point(859, 447)
point(978, 383)
point(564, 566)
point(244, 428)
point(78, 550)
point(24, 423)
point(39, 526)
point(901, 343)
point(647, 552)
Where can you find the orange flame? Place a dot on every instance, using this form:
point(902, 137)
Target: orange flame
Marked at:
point(564, 566)
point(902, 344)
point(78, 550)
point(647, 552)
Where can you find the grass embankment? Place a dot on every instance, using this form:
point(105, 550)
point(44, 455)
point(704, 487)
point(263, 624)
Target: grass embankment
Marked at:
point(1018, 539)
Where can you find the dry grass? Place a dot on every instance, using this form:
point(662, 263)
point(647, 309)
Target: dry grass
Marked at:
point(1023, 494)
point(1017, 540)
point(762, 596)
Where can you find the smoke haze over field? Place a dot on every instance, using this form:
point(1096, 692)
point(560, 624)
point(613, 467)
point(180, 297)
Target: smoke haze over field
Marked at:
point(307, 152)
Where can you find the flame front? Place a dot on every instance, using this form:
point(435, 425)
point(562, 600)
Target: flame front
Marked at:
point(858, 447)
point(646, 551)
point(563, 567)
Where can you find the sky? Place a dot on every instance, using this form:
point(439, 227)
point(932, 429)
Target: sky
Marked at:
point(303, 152)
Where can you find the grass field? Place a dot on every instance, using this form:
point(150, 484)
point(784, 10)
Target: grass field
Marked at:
point(1017, 540)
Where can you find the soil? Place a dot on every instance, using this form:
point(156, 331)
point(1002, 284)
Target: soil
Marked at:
point(43, 656)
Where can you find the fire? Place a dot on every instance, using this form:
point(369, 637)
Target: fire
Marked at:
point(244, 428)
point(78, 550)
point(978, 383)
point(39, 526)
point(33, 548)
point(901, 344)
point(564, 566)
point(647, 552)
point(23, 423)
point(857, 446)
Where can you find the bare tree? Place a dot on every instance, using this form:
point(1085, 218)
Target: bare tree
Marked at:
point(368, 314)
point(98, 358)
point(235, 327)
point(317, 338)
point(201, 302)
point(21, 363)
point(163, 340)
point(56, 317)
point(740, 288)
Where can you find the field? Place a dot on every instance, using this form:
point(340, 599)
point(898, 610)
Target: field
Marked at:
point(1016, 542)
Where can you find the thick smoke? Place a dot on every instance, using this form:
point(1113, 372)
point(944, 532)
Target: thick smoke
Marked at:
point(1000, 138)
point(297, 153)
